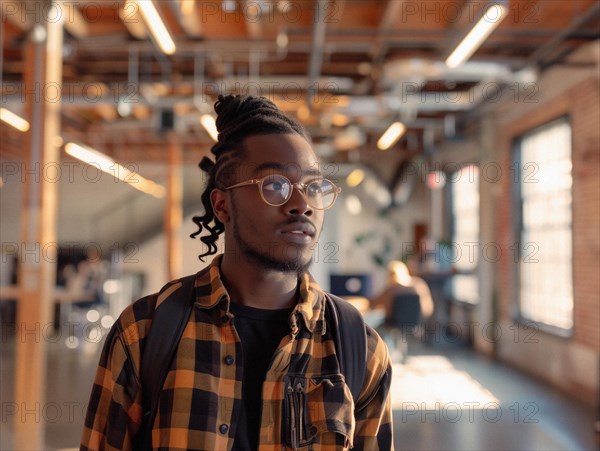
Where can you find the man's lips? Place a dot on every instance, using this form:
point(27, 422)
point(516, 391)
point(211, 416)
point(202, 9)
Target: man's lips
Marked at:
point(299, 228)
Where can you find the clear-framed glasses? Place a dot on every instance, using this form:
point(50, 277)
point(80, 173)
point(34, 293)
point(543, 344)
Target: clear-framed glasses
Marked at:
point(276, 190)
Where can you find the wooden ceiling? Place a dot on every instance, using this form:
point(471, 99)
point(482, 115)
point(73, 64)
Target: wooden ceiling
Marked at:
point(343, 67)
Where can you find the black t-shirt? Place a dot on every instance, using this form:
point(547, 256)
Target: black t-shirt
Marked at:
point(260, 332)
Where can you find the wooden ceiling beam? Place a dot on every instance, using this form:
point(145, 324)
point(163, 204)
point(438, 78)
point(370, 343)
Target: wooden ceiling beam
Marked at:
point(189, 17)
point(253, 16)
point(20, 14)
point(132, 19)
point(74, 21)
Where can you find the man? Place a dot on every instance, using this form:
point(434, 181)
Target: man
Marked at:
point(256, 366)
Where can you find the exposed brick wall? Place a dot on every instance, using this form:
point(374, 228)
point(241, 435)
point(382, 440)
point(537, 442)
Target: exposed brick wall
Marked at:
point(582, 104)
point(585, 120)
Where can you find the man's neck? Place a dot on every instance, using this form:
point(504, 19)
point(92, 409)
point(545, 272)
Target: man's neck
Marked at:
point(249, 284)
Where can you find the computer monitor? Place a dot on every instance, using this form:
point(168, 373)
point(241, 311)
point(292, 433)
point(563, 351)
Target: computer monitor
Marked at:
point(351, 284)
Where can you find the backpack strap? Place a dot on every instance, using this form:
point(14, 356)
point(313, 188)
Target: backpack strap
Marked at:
point(168, 322)
point(171, 317)
point(350, 336)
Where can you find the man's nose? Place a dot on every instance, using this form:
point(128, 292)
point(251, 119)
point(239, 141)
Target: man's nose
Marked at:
point(297, 203)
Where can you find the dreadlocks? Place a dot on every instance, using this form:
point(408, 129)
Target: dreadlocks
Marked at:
point(238, 117)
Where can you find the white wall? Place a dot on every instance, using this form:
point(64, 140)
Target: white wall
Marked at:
point(396, 226)
point(150, 258)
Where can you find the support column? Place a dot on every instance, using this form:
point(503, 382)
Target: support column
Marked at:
point(437, 217)
point(486, 312)
point(173, 208)
point(37, 264)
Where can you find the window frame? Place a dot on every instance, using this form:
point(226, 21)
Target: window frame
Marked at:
point(450, 201)
point(517, 229)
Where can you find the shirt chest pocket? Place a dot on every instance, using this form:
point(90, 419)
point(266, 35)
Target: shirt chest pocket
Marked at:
point(318, 411)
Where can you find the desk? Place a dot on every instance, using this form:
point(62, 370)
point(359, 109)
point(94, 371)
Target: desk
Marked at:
point(61, 297)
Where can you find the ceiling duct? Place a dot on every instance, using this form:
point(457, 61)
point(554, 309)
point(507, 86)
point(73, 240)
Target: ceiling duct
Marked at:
point(419, 71)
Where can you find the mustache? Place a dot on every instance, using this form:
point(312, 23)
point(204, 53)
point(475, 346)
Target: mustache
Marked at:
point(296, 219)
point(300, 219)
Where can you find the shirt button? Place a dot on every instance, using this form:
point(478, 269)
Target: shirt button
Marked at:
point(229, 360)
point(224, 319)
point(223, 429)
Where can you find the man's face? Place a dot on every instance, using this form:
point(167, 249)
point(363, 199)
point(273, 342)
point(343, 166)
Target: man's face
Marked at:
point(280, 238)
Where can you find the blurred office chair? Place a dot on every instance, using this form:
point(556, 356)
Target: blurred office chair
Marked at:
point(404, 318)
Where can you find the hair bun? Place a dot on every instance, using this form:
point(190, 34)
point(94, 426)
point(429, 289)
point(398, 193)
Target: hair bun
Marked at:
point(206, 164)
point(232, 110)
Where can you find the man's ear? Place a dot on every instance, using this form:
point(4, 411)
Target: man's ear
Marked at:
point(220, 205)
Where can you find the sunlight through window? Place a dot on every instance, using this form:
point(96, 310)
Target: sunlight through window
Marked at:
point(431, 382)
point(543, 161)
point(465, 217)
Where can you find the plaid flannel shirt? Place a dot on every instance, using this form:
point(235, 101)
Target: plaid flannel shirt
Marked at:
point(305, 401)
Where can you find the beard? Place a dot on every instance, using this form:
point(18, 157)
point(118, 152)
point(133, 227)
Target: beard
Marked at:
point(263, 254)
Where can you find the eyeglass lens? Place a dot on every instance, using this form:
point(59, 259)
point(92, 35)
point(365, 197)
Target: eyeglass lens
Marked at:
point(277, 190)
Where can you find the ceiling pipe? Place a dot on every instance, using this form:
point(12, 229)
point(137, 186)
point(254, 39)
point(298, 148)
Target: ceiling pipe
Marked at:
point(236, 47)
point(125, 107)
point(538, 56)
point(380, 46)
point(88, 95)
point(358, 105)
point(316, 53)
point(198, 84)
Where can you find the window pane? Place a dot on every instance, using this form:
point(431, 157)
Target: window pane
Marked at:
point(465, 216)
point(545, 274)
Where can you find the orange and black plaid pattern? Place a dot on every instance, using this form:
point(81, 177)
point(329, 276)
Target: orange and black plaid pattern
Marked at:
point(306, 403)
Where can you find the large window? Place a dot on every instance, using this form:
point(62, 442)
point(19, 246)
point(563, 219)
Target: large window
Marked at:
point(464, 186)
point(544, 225)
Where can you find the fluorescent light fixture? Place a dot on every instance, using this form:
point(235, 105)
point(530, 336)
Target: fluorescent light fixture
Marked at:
point(488, 22)
point(391, 135)
point(355, 178)
point(13, 120)
point(156, 26)
point(208, 122)
point(108, 165)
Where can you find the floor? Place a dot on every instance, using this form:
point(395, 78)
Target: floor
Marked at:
point(449, 398)
point(444, 398)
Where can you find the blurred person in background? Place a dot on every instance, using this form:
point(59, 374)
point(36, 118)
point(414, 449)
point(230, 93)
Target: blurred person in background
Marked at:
point(400, 282)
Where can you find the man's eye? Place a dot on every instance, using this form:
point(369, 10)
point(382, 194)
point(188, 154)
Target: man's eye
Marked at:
point(314, 188)
point(273, 186)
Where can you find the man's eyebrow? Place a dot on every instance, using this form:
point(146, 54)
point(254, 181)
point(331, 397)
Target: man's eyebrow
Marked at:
point(286, 167)
point(269, 165)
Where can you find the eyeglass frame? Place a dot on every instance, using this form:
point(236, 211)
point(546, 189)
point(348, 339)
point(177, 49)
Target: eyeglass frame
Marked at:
point(304, 190)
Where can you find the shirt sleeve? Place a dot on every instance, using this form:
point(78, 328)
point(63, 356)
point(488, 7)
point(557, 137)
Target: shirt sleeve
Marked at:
point(373, 413)
point(115, 410)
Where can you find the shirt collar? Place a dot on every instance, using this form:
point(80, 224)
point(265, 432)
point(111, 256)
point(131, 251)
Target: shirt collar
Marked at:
point(210, 291)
